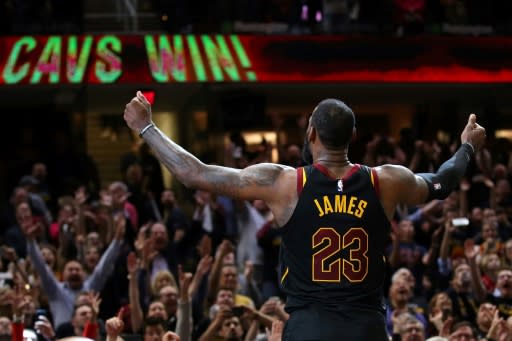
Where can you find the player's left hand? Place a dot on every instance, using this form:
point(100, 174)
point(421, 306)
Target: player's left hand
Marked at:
point(137, 113)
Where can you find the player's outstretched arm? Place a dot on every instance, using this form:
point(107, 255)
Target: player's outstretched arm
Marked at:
point(449, 175)
point(260, 181)
point(400, 185)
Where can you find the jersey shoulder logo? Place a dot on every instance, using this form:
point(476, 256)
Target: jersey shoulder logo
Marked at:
point(340, 185)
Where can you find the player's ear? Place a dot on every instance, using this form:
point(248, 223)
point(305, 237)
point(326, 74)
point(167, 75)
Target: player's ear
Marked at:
point(312, 134)
point(354, 134)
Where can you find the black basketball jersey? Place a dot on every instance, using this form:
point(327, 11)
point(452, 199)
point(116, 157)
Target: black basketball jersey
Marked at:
point(332, 249)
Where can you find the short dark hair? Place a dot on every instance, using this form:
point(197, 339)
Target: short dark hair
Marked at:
point(154, 321)
point(463, 323)
point(334, 122)
point(223, 288)
point(78, 306)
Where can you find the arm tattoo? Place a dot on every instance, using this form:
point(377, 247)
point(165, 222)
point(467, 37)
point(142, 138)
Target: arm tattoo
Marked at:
point(260, 177)
point(232, 182)
point(193, 173)
point(180, 163)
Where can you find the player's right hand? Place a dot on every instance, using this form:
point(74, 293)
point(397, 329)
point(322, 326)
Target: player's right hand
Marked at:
point(137, 112)
point(473, 133)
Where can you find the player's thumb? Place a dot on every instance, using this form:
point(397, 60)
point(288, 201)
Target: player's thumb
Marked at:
point(472, 120)
point(142, 98)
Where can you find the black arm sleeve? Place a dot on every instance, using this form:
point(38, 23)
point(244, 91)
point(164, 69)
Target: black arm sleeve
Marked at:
point(448, 176)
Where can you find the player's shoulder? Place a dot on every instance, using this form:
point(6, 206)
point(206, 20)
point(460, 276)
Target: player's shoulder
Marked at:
point(277, 174)
point(391, 169)
point(274, 170)
point(391, 173)
point(272, 166)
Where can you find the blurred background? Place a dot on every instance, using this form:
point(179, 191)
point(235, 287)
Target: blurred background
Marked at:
point(252, 69)
point(234, 82)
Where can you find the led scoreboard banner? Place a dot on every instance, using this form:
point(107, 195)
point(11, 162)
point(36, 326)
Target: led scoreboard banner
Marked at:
point(152, 59)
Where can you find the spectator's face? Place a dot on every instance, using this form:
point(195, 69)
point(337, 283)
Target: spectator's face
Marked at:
point(485, 315)
point(157, 309)
point(504, 283)
point(5, 326)
point(29, 309)
point(508, 249)
point(134, 174)
point(93, 239)
point(456, 261)
point(463, 333)
point(407, 276)
point(500, 171)
point(39, 171)
point(161, 282)
point(293, 155)
point(159, 235)
point(231, 329)
point(413, 331)
point(489, 231)
point(82, 315)
point(118, 194)
point(443, 302)
point(169, 298)
point(74, 274)
point(503, 187)
point(225, 297)
point(406, 231)
point(229, 258)
point(229, 277)
point(400, 291)
point(477, 215)
point(462, 275)
point(48, 256)
point(153, 333)
point(168, 198)
point(489, 213)
point(66, 214)
point(83, 298)
point(92, 257)
point(202, 197)
point(493, 262)
point(23, 213)
point(20, 195)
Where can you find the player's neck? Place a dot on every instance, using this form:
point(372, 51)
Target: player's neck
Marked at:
point(337, 162)
point(333, 158)
point(334, 163)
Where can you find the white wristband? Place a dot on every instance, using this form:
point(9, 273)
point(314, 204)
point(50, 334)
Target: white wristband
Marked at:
point(145, 129)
